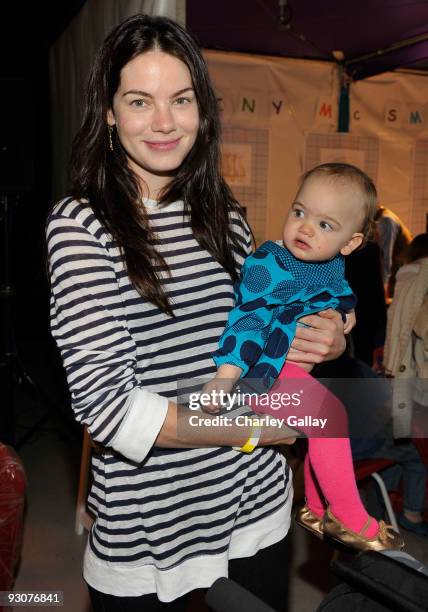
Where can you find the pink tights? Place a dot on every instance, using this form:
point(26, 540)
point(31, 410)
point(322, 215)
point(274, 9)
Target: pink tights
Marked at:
point(328, 467)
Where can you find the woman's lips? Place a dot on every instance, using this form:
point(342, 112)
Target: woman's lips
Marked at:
point(163, 145)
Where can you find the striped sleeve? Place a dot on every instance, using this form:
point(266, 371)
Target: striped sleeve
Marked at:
point(243, 234)
point(99, 355)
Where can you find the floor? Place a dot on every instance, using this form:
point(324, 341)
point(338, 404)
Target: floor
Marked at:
point(52, 552)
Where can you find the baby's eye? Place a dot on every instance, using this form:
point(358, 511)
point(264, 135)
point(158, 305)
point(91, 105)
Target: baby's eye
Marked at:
point(298, 213)
point(326, 226)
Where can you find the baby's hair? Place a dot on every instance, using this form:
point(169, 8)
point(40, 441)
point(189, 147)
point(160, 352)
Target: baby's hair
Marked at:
point(347, 173)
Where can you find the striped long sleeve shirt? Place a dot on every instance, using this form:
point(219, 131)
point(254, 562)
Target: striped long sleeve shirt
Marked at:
point(166, 520)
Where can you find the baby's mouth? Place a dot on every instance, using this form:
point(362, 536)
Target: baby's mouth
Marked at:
point(301, 244)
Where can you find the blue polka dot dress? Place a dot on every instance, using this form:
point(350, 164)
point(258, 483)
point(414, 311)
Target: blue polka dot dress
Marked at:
point(274, 291)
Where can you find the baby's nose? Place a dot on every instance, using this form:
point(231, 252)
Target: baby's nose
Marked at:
point(306, 228)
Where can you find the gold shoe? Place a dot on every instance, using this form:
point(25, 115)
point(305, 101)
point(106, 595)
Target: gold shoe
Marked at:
point(310, 521)
point(386, 538)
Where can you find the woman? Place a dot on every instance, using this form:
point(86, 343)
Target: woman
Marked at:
point(142, 260)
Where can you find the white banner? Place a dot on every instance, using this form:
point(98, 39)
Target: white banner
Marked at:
point(270, 104)
point(293, 103)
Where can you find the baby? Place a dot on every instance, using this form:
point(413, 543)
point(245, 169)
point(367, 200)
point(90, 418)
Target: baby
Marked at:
point(331, 216)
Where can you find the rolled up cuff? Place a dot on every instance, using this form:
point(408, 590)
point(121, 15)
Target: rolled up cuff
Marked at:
point(137, 434)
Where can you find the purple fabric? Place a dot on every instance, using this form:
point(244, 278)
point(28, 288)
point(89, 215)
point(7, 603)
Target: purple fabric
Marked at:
point(355, 28)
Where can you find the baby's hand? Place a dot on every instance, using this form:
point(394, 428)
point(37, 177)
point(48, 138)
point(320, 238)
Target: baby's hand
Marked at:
point(350, 322)
point(216, 388)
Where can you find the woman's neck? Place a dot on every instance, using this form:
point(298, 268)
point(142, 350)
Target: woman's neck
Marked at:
point(152, 185)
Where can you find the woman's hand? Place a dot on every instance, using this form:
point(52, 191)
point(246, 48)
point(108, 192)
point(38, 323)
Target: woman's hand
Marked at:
point(351, 321)
point(324, 340)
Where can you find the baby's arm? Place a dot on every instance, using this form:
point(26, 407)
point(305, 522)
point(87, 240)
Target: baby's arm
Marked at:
point(229, 372)
point(247, 329)
point(224, 381)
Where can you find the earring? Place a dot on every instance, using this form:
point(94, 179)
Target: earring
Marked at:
point(110, 139)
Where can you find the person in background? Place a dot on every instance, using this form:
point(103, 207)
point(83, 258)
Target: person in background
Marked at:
point(394, 238)
point(406, 359)
point(363, 271)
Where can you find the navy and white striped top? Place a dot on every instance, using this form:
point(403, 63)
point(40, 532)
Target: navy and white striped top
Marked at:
point(167, 520)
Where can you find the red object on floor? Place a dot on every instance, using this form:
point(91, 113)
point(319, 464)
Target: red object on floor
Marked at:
point(371, 467)
point(12, 491)
point(364, 468)
point(422, 446)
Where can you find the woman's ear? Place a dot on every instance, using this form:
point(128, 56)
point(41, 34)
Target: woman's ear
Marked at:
point(352, 244)
point(110, 117)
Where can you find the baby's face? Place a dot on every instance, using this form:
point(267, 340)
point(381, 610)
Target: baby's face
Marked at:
point(324, 220)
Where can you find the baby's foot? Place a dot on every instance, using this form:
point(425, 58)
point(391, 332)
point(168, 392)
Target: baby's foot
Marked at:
point(310, 521)
point(386, 537)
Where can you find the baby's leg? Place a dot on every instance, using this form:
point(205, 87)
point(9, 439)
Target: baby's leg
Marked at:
point(329, 458)
point(314, 497)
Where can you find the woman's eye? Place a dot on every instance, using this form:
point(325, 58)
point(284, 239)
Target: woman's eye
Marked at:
point(139, 103)
point(181, 101)
point(325, 226)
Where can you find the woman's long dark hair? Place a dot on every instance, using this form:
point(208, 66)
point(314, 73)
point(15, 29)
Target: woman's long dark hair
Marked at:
point(104, 178)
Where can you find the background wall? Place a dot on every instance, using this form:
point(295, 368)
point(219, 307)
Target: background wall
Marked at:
point(280, 118)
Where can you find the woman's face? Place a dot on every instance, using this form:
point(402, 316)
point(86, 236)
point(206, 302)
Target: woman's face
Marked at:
point(156, 116)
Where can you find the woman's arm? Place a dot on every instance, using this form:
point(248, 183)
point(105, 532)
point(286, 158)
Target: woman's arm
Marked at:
point(89, 326)
point(177, 432)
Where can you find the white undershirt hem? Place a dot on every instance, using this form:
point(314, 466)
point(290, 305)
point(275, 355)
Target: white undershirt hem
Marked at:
point(194, 573)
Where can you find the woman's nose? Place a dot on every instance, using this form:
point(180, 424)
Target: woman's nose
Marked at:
point(163, 119)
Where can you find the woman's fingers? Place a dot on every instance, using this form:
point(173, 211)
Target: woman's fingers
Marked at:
point(323, 340)
point(350, 322)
